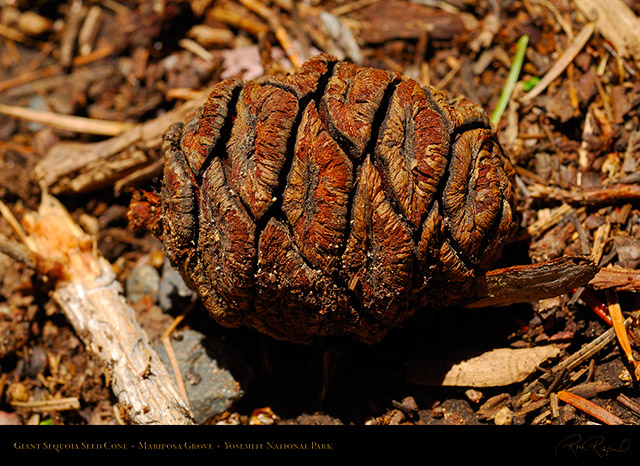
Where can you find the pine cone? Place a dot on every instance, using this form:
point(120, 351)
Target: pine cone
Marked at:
point(335, 200)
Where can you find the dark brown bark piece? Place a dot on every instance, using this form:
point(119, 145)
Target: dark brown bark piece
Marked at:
point(390, 20)
point(335, 200)
point(617, 278)
point(532, 282)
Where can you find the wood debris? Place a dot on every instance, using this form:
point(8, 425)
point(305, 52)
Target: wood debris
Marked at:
point(617, 22)
point(569, 278)
point(90, 296)
point(499, 367)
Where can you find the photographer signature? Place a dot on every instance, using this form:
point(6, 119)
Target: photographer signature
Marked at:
point(596, 444)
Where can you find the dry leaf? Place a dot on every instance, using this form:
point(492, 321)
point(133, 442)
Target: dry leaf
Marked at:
point(495, 368)
point(499, 367)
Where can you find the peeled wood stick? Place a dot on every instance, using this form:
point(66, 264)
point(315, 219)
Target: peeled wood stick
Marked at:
point(72, 167)
point(91, 299)
point(56, 404)
point(533, 282)
point(616, 22)
point(559, 66)
point(68, 122)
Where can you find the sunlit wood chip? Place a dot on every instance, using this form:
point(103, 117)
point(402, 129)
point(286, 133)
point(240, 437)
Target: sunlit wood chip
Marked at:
point(498, 367)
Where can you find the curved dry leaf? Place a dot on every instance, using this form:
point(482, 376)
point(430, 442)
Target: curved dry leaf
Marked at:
point(498, 367)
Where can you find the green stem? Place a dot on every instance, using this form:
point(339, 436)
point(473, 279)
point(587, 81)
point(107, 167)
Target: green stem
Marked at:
point(512, 79)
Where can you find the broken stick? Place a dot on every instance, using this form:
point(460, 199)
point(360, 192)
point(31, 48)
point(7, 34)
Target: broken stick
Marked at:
point(532, 282)
point(72, 167)
point(91, 298)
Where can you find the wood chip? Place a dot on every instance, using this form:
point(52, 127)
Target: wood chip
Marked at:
point(618, 278)
point(499, 367)
point(530, 283)
point(616, 22)
point(490, 408)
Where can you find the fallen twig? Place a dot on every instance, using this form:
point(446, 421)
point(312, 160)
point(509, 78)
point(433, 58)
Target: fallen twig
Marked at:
point(530, 283)
point(276, 27)
point(76, 167)
point(91, 298)
point(570, 362)
point(597, 196)
point(560, 64)
point(590, 408)
point(59, 404)
point(67, 122)
point(628, 403)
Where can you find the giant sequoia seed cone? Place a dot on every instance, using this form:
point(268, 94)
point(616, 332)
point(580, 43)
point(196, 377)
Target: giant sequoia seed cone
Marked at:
point(335, 200)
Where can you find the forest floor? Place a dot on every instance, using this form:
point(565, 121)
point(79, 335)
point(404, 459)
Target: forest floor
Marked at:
point(571, 129)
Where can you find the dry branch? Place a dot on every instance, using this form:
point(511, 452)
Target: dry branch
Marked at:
point(91, 299)
point(530, 283)
point(78, 167)
point(616, 22)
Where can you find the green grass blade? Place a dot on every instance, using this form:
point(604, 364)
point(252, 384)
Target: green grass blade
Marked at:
point(512, 79)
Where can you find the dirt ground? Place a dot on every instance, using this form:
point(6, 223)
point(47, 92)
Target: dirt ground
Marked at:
point(574, 143)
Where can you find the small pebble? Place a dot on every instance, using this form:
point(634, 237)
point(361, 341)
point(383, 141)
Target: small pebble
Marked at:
point(173, 290)
point(474, 395)
point(211, 388)
point(144, 280)
point(504, 417)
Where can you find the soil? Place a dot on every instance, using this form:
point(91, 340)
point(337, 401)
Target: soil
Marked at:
point(574, 147)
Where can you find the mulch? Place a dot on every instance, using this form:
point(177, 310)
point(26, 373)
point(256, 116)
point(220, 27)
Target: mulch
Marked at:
point(574, 143)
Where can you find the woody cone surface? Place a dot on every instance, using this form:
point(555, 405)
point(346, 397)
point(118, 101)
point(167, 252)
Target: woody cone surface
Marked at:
point(335, 200)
